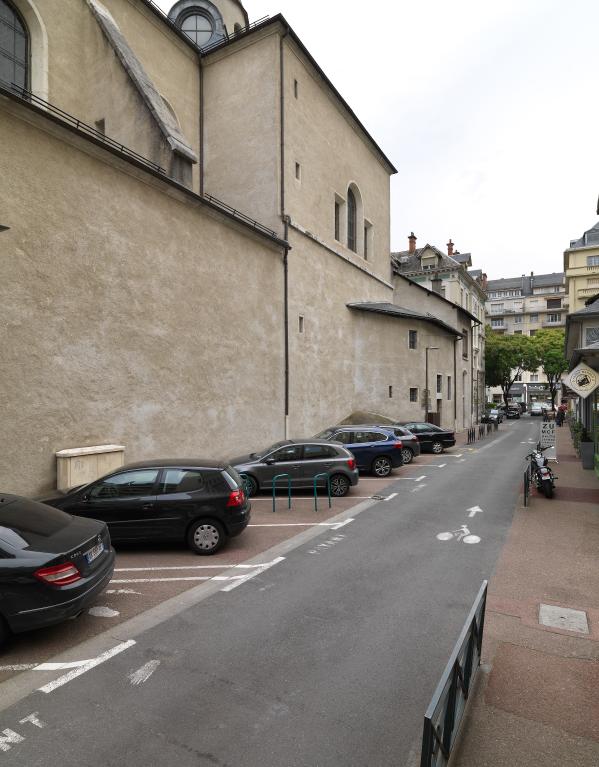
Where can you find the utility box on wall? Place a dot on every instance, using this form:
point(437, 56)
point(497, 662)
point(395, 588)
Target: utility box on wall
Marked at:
point(80, 465)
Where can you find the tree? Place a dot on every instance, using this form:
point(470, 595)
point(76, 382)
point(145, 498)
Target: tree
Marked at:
point(550, 348)
point(506, 358)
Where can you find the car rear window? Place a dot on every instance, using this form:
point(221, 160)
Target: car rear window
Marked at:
point(232, 478)
point(181, 481)
point(25, 523)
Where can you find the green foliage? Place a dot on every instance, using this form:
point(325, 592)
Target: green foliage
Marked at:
point(506, 358)
point(550, 346)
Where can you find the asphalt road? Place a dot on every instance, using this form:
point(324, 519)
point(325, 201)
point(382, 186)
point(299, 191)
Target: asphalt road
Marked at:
point(328, 657)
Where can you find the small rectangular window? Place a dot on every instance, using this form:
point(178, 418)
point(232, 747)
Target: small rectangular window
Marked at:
point(412, 339)
point(366, 243)
point(439, 384)
point(298, 171)
point(448, 387)
point(301, 323)
point(465, 344)
point(414, 394)
point(390, 392)
point(337, 220)
point(554, 303)
point(534, 318)
point(295, 88)
point(592, 260)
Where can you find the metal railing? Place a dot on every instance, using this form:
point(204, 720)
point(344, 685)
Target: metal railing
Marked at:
point(446, 709)
point(274, 490)
point(238, 214)
point(328, 486)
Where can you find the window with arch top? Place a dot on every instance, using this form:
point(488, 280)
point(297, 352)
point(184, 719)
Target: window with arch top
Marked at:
point(14, 47)
point(351, 221)
point(199, 20)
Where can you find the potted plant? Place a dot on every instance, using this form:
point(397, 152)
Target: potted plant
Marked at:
point(586, 448)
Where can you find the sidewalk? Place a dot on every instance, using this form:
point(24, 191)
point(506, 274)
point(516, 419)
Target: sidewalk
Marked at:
point(536, 699)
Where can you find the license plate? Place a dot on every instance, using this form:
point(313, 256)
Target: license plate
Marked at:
point(94, 553)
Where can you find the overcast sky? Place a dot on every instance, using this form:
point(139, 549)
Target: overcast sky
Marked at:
point(489, 110)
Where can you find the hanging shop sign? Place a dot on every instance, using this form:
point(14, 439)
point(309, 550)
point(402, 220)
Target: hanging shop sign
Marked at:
point(583, 380)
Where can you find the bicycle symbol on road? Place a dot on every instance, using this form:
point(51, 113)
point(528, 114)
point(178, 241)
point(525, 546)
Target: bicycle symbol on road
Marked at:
point(463, 534)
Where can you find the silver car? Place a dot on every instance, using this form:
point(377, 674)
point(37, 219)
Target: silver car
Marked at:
point(299, 461)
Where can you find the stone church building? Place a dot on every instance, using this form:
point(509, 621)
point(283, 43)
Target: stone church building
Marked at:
point(194, 243)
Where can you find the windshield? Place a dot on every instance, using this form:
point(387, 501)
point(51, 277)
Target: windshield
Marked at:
point(326, 434)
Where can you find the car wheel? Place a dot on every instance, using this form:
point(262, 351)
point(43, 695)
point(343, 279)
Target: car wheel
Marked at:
point(437, 447)
point(339, 485)
point(381, 466)
point(407, 455)
point(250, 485)
point(206, 536)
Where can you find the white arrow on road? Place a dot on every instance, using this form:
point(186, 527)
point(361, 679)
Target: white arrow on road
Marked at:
point(474, 510)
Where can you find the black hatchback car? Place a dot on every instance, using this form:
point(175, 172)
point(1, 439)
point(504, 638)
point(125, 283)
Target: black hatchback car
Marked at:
point(52, 565)
point(201, 502)
point(432, 438)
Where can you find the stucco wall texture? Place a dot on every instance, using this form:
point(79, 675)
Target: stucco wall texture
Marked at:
point(129, 316)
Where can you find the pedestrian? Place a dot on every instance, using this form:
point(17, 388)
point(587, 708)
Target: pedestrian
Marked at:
point(559, 418)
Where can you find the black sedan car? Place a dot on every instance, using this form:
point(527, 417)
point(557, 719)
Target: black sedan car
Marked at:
point(52, 565)
point(432, 438)
point(201, 502)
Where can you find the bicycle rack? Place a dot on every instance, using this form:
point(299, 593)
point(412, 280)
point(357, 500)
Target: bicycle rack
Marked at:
point(328, 479)
point(526, 487)
point(274, 490)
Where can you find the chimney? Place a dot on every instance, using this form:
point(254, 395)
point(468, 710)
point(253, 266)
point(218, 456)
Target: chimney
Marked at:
point(450, 248)
point(412, 241)
point(484, 282)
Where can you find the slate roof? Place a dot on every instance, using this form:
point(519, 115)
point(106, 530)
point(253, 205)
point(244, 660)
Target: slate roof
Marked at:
point(475, 273)
point(523, 283)
point(412, 262)
point(462, 258)
point(589, 310)
point(392, 310)
point(590, 237)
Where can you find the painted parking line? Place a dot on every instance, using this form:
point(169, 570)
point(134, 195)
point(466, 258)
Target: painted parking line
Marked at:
point(222, 566)
point(253, 574)
point(44, 666)
point(74, 673)
point(332, 525)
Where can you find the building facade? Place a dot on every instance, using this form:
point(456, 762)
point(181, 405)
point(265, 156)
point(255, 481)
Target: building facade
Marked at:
point(522, 306)
point(194, 231)
point(581, 267)
point(448, 275)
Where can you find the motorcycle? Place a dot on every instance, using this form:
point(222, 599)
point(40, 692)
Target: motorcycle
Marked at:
point(540, 473)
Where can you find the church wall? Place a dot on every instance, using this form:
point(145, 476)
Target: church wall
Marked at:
point(131, 314)
point(241, 127)
point(332, 153)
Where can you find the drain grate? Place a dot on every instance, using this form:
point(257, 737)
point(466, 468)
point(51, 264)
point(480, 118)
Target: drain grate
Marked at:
point(563, 618)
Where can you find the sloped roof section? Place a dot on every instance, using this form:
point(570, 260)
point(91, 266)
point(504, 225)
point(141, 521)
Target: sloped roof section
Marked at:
point(590, 237)
point(404, 261)
point(151, 97)
point(392, 310)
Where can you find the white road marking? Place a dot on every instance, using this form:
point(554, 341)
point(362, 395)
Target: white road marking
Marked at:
point(33, 719)
point(122, 591)
point(253, 574)
point(166, 580)
point(18, 667)
point(474, 510)
point(44, 666)
point(144, 673)
point(341, 524)
point(419, 479)
point(389, 497)
point(65, 678)
point(9, 738)
point(186, 567)
point(454, 455)
point(417, 488)
point(99, 611)
point(438, 465)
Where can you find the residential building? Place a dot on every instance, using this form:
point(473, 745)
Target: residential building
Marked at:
point(522, 306)
point(581, 266)
point(195, 243)
point(582, 346)
point(448, 275)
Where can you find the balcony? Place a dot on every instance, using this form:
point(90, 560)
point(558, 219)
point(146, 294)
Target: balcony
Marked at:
point(558, 324)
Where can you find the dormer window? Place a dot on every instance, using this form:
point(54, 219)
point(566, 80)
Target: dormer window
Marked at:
point(428, 263)
point(200, 20)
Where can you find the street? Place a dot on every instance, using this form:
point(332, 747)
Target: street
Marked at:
point(327, 655)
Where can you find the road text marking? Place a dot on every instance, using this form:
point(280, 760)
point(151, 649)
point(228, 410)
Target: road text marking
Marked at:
point(65, 678)
point(144, 673)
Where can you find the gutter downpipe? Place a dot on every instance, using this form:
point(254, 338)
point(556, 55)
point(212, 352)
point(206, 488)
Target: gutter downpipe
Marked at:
point(455, 383)
point(201, 126)
point(471, 374)
point(285, 220)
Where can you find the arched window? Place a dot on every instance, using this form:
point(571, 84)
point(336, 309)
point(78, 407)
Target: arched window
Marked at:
point(14, 47)
point(198, 27)
point(200, 20)
point(351, 221)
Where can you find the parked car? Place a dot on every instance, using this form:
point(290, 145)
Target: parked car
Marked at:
point(376, 448)
point(52, 565)
point(411, 444)
point(432, 438)
point(536, 408)
point(199, 501)
point(513, 411)
point(302, 460)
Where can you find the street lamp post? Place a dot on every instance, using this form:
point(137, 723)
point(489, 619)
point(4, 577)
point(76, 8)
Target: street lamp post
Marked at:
point(426, 390)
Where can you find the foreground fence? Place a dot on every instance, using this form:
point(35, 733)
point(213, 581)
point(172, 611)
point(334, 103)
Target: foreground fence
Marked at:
point(445, 711)
point(480, 431)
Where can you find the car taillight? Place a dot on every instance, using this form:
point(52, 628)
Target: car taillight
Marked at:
point(398, 444)
point(58, 575)
point(236, 499)
point(352, 463)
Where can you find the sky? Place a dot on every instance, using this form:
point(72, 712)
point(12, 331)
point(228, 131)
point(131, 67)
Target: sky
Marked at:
point(489, 111)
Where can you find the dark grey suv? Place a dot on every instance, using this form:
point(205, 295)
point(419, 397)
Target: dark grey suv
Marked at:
point(302, 460)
